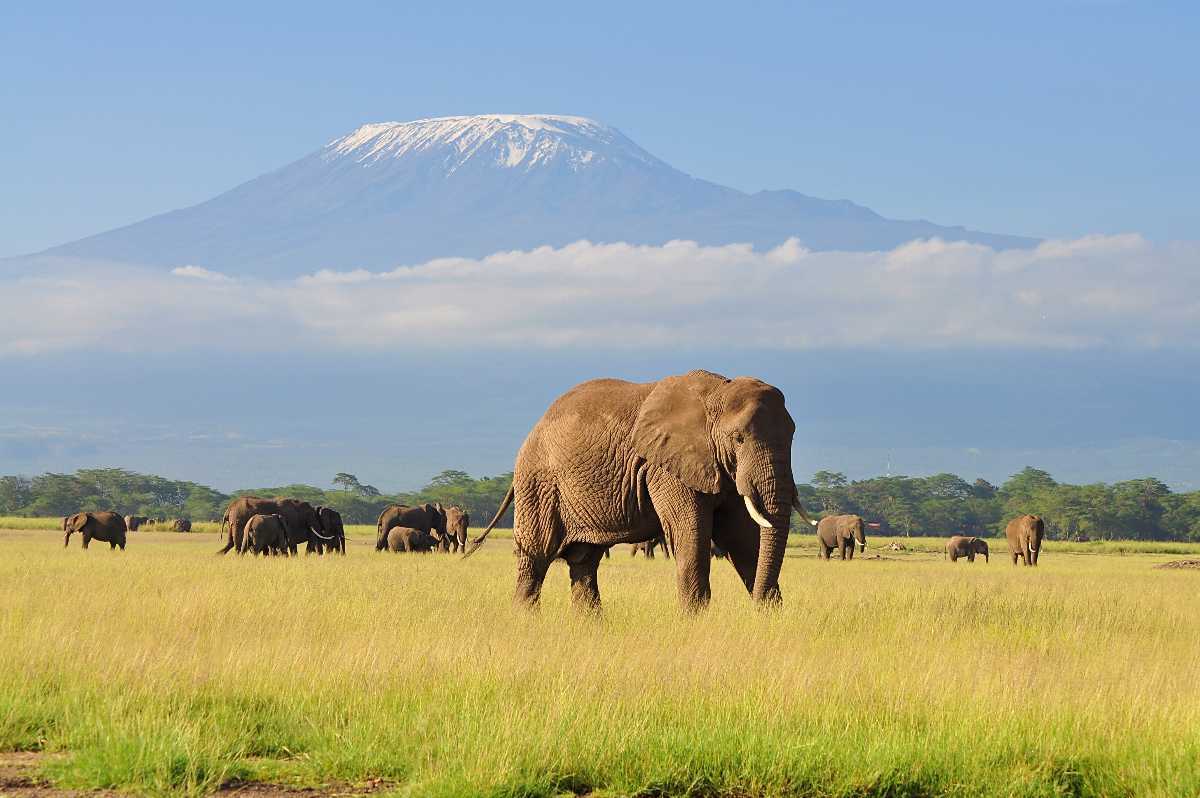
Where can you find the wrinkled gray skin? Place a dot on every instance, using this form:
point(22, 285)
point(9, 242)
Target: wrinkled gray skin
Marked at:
point(1025, 535)
point(841, 532)
point(103, 526)
point(266, 534)
point(403, 538)
point(331, 522)
point(695, 458)
point(300, 517)
point(427, 518)
point(962, 546)
point(647, 548)
point(457, 521)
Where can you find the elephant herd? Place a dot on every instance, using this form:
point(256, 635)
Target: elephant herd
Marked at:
point(110, 528)
point(698, 463)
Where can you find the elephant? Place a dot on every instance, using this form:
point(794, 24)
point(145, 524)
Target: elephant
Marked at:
point(266, 534)
point(331, 521)
point(133, 522)
point(181, 525)
point(963, 546)
point(841, 532)
point(301, 519)
point(404, 538)
point(103, 526)
point(427, 518)
point(695, 459)
point(647, 548)
point(457, 522)
point(1024, 535)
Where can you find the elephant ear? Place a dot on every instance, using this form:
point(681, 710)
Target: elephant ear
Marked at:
point(673, 430)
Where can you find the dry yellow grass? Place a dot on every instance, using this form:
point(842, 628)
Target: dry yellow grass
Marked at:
point(168, 669)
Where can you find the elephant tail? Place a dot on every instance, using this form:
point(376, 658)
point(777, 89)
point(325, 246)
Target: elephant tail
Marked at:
point(504, 505)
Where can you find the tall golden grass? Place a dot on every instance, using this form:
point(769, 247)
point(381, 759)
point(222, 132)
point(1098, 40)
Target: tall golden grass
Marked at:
point(169, 670)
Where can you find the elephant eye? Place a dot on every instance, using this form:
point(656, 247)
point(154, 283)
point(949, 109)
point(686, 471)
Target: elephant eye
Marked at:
point(739, 437)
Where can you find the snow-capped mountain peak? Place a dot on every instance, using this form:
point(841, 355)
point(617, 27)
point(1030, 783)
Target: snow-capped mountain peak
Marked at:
point(512, 141)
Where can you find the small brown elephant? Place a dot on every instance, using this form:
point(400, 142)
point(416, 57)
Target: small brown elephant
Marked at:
point(963, 546)
point(1024, 535)
point(406, 538)
point(103, 526)
point(841, 532)
point(266, 533)
point(457, 521)
point(134, 522)
point(647, 548)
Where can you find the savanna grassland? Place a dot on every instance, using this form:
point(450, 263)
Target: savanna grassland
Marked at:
point(167, 670)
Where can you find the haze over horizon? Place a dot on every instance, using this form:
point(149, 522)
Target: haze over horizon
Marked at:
point(394, 300)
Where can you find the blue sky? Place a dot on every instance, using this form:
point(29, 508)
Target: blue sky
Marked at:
point(1054, 118)
point(1068, 119)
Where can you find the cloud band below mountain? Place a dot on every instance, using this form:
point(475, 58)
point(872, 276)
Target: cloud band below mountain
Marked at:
point(1097, 291)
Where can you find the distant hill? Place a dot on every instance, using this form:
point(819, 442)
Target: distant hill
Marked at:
point(404, 192)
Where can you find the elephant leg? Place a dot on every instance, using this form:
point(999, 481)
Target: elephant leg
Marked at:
point(848, 549)
point(530, 575)
point(971, 557)
point(693, 559)
point(86, 539)
point(584, 560)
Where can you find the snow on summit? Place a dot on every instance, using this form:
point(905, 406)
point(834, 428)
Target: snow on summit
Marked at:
point(506, 140)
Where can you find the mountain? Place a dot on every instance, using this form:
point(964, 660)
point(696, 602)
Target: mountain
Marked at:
point(404, 192)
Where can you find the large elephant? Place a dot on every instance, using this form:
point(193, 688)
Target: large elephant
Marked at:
point(331, 522)
point(457, 522)
point(300, 517)
point(266, 533)
point(963, 546)
point(103, 526)
point(1024, 535)
point(427, 518)
point(404, 538)
point(841, 532)
point(696, 458)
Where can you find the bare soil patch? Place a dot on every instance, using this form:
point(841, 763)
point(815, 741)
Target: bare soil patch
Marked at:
point(18, 779)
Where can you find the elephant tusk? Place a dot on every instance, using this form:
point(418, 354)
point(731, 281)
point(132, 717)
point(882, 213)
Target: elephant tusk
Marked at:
point(758, 517)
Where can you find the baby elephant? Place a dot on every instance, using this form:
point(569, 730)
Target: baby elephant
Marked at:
point(962, 546)
point(841, 532)
point(266, 534)
point(405, 538)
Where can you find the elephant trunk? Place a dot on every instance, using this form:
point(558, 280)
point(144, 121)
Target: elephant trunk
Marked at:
point(769, 493)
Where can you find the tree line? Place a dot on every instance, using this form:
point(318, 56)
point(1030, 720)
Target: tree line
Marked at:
point(131, 493)
point(942, 504)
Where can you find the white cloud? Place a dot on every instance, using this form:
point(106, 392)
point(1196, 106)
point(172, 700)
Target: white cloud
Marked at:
point(199, 273)
point(1118, 291)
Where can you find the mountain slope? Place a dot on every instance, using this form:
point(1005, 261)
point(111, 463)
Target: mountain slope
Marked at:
point(400, 193)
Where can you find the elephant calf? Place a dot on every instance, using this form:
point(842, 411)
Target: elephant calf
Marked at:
point(962, 546)
point(406, 538)
point(647, 548)
point(266, 533)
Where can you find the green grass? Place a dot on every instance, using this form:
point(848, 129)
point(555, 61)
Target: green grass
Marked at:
point(167, 670)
